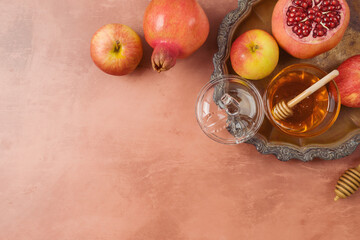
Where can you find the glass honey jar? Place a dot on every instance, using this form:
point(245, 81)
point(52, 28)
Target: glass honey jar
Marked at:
point(312, 116)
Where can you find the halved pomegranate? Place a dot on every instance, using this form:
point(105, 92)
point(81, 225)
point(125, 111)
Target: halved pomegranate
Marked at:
point(307, 28)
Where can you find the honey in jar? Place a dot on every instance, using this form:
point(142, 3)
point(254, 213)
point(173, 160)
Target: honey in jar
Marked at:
point(307, 114)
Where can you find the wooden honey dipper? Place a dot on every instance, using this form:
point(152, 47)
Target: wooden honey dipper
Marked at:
point(348, 183)
point(283, 110)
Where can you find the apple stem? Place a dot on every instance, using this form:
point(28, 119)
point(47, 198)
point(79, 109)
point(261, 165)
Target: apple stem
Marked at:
point(117, 46)
point(254, 47)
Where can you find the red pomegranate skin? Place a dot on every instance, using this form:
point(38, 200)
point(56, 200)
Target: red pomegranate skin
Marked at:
point(175, 29)
point(348, 82)
point(306, 47)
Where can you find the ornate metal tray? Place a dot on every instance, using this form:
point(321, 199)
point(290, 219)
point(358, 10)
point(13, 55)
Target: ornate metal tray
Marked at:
point(344, 136)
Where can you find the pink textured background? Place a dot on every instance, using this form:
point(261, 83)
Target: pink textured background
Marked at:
point(85, 155)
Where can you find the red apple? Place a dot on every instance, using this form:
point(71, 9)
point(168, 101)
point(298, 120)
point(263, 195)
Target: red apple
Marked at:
point(348, 82)
point(254, 54)
point(116, 49)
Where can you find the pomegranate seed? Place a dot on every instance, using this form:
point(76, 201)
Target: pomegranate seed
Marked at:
point(338, 17)
point(338, 7)
point(318, 26)
point(318, 19)
point(316, 8)
point(334, 3)
point(298, 14)
point(325, 19)
point(318, 14)
point(320, 33)
point(331, 19)
point(307, 22)
point(317, 2)
point(324, 9)
point(304, 5)
point(326, 3)
point(311, 11)
point(311, 17)
point(331, 8)
point(303, 15)
point(297, 2)
point(332, 25)
point(292, 14)
point(297, 19)
point(291, 19)
point(299, 31)
point(306, 32)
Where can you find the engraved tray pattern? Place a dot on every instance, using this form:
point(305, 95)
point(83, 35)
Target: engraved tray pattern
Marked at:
point(285, 149)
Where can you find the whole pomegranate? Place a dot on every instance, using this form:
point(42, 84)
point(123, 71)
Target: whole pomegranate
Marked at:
point(307, 28)
point(175, 29)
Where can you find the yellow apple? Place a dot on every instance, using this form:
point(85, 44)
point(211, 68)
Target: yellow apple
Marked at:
point(254, 54)
point(116, 49)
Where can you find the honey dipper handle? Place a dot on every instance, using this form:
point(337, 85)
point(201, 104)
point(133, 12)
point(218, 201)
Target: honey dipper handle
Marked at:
point(313, 88)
